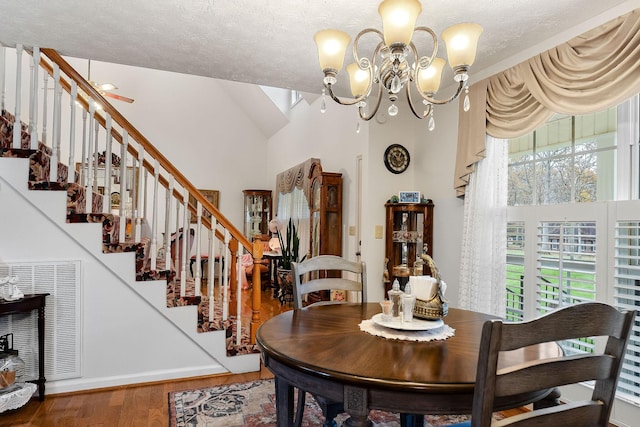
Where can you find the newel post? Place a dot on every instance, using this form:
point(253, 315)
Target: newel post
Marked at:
point(256, 295)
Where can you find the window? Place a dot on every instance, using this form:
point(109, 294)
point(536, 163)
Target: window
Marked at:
point(515, 271)
point(566, 264)
point(627, 295)
point(570, 158)
point(296, 96)
point(573, 231)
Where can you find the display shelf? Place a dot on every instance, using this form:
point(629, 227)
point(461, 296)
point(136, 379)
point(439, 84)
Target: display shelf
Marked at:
point(409, 227)
point(257, 213)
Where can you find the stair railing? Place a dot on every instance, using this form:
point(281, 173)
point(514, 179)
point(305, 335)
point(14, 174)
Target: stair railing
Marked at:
point(138, 167)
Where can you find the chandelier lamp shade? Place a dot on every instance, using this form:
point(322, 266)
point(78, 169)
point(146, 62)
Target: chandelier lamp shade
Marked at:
point(395, 63)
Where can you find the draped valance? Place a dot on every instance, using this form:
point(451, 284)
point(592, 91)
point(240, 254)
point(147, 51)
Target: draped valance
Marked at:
point(589, 73)
point(296, 177)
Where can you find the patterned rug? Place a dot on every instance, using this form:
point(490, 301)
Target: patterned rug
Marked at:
point(253, 404)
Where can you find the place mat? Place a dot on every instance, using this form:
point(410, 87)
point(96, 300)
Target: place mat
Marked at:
point(441, 333)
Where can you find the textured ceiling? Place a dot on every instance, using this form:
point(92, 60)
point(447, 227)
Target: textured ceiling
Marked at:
point(266, 42)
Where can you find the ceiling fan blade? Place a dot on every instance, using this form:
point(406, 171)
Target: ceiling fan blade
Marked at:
point(118, 97)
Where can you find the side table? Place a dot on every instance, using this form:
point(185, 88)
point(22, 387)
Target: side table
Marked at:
point(29, 303)
point(273, 257)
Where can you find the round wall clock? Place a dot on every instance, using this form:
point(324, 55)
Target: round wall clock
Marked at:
point(396, 158)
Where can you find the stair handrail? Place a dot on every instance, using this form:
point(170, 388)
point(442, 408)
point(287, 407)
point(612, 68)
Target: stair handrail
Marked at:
point(116, 116)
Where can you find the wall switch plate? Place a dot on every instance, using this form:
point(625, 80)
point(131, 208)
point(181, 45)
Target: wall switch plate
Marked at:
point(378, 232)
point(352, 230)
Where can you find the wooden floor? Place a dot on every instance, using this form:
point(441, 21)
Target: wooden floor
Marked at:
point(133, 405)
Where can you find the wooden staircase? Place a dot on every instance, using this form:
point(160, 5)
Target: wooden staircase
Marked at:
point(167, 205)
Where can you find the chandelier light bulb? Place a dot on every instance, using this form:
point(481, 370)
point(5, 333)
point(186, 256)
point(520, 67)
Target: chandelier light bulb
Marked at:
point(399, 20)
point(358, 79)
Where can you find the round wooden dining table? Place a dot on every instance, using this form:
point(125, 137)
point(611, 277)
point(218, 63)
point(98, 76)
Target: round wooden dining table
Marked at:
point(322, 350)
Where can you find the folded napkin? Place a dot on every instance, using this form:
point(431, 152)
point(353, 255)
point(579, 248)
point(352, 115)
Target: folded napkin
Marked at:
point(423, 287)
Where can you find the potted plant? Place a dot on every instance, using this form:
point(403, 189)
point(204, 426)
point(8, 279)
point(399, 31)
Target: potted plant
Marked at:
point(290, 249)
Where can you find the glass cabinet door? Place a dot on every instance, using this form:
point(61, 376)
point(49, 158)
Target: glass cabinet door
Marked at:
point(409, 233)
point(257, 213)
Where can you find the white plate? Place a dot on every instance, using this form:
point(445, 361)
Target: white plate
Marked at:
point(414, 325)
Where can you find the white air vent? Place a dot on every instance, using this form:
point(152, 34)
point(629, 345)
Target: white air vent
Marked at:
point(62, 317)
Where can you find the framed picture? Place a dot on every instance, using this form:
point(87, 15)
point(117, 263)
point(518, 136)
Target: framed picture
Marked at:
point(409, 197)
point(211, 195)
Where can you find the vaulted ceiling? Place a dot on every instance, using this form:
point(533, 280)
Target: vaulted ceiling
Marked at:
point(267, 42)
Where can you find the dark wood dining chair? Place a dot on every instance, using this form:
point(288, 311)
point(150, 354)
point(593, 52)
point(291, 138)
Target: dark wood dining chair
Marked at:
point(584, 320)
point(318, 280)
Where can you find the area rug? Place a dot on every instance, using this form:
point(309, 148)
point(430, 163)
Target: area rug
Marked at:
point(253, 404)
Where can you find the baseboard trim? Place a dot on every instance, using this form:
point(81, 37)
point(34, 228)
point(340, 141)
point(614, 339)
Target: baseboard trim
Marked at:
point(86, 384)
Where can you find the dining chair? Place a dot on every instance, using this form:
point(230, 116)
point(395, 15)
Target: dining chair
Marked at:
point(316, 269)
point(566, 325)
point(319, 280)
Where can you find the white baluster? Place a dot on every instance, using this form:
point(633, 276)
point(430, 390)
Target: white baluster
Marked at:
point(211, 266)
point(239, 294)
point(45, 97)
point(186, 238)
point(154, 223)
point(96, 159)
point(17, 128)
point(198, 278)
point(83, 160)
point(3, 70)
point(57, 106)
point(141, 194)
point(82, 179)
point(108, 164)
point(72, 132)
point(176, 259)
point(167, 224)
point(33, 100)
point(90, 164)
point(123, 182)
point(145, 199)
point(225, 288)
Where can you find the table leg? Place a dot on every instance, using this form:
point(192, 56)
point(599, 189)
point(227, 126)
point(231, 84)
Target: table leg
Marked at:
point(411, 420)
point(41, 378)
point(355, 404)
point(284, 403)
point(357, 421)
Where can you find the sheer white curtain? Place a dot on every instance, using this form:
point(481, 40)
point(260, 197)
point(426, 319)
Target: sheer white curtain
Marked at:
point(482, 265)
point(295, 205)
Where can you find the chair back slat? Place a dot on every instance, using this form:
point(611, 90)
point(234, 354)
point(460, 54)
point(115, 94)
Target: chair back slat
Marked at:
point(543, 374)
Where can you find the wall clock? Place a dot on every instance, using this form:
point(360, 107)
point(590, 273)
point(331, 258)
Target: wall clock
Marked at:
point(396, 158)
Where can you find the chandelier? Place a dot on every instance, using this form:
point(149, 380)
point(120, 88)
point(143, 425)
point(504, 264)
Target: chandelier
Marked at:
point(395, 62)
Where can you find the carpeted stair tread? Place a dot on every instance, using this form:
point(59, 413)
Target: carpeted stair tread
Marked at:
point(39, 168)
point(49, 186)
point(18, 153)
